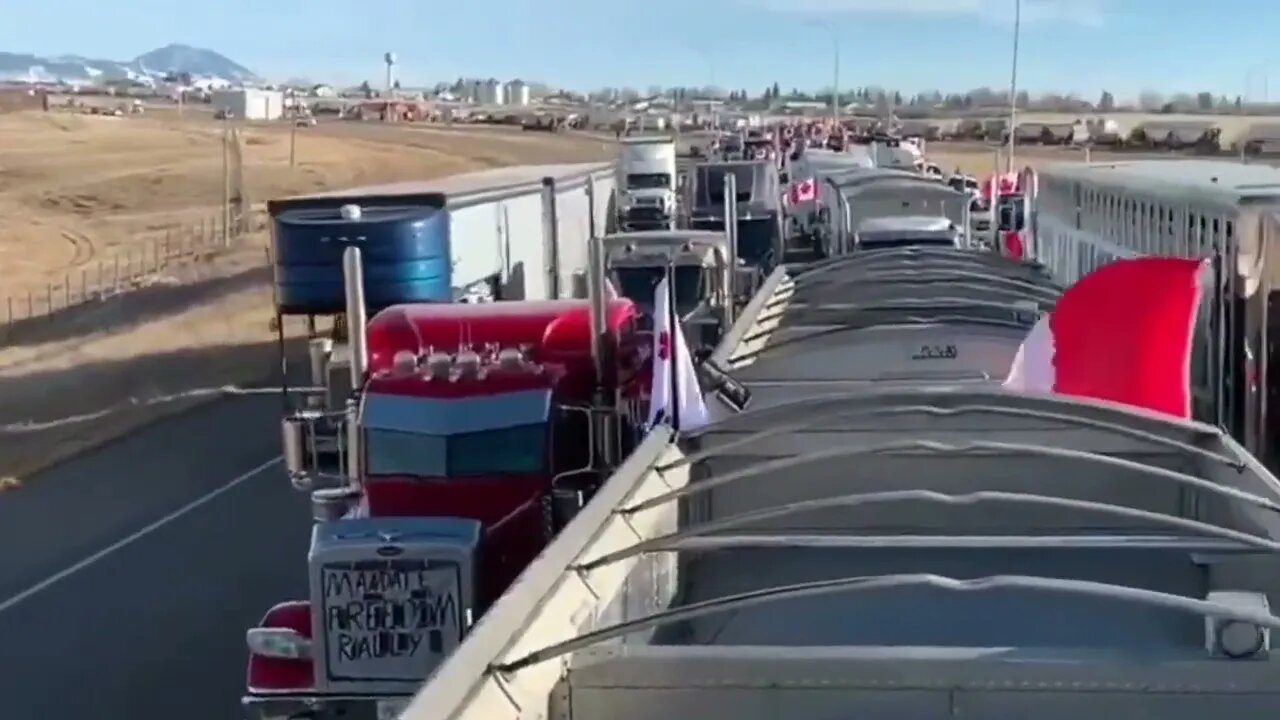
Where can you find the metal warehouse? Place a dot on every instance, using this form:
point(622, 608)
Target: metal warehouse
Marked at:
point(250, 103)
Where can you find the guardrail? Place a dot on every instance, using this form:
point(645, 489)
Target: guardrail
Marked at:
point(130, 268)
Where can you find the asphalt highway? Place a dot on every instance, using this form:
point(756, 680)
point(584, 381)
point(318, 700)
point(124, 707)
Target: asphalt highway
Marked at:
point(129, 575)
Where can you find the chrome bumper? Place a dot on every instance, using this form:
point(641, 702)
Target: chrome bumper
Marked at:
point(315, 707)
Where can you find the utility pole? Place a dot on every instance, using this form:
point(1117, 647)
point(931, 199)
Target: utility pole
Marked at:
point(835, 79)
point(1013, 84)
point(226, 183)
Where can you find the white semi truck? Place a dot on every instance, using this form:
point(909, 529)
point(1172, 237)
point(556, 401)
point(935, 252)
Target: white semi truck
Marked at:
point(647, 183)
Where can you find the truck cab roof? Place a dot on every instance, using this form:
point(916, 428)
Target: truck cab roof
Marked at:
point(660, 247)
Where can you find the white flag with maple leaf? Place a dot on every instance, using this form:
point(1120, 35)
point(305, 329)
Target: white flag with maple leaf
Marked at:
point(673, 372)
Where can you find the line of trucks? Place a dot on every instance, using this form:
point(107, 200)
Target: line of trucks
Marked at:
point(445, 435)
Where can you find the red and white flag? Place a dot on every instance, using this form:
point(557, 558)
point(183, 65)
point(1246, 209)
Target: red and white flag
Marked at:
point(804, 191)
point(1123, 333)
point(675, 396)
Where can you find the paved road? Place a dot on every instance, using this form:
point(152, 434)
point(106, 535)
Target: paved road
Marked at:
point(128, 576)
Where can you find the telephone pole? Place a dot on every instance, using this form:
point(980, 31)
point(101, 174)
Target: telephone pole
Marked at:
point(1013, 83)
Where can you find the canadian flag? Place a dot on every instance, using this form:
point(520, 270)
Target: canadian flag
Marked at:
point(1012, 245)
point(1122, 333)
point(675, 396)
point(804, 191)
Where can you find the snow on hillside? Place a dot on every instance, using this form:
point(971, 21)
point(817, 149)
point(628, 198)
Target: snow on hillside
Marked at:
point(204, 68)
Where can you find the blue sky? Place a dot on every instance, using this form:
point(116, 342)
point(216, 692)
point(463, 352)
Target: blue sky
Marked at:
point(1067, 45)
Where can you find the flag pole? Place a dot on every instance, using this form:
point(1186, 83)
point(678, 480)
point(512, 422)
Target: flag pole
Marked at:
point(1217, 339)
point(672, 328)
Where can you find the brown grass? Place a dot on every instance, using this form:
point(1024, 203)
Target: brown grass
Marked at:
point(981, 160)
point(115, 182)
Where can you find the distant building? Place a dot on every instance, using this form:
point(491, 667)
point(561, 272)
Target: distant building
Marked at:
point(517, 92)
point(491, 93)
point(249, 103)
point(323, 91)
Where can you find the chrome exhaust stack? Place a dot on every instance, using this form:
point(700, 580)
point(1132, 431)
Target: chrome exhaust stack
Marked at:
point(357, 316)
point(601, 344)
point(357, 326)
point(731, 235)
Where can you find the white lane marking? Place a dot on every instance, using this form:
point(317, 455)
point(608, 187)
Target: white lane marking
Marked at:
point(136, 536)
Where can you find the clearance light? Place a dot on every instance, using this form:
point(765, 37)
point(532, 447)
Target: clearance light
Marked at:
point(438, 365)
point(510, 357)
point(278, 643)
point(405, 361)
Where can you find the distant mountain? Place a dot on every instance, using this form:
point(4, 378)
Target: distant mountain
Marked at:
point(194, 61)
point(147, 68)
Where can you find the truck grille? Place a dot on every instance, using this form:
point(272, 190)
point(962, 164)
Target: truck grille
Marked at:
point(389, 601)
point(642, 214)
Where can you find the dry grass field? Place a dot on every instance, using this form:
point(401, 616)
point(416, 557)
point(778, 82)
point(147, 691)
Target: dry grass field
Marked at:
point(981, 160)
point(76, 189)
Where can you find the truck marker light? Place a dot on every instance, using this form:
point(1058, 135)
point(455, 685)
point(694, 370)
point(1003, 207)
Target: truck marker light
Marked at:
point(278, 643)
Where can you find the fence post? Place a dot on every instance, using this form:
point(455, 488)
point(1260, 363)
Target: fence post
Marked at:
point(66, 290)
point(84, 285)
point(31, 304)
point(10, 308)
point(48, 296)
point(115, 283)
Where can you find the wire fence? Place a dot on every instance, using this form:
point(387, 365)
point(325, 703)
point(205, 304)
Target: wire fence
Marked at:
point(133, 267)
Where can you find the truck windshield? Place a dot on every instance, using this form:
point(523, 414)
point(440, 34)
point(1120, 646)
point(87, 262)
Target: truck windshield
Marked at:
point(756, 241)
point(907, 241)
point(713, 184)
point(504, 451)
point(648, 181)
point(456, 437)
point(1011, 213)
point(638, 283)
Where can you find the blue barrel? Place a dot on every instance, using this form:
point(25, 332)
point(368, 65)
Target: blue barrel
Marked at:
point(404, 244)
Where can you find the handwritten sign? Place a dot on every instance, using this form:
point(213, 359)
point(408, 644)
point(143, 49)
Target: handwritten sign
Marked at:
point(945, 351)
point(389, 619)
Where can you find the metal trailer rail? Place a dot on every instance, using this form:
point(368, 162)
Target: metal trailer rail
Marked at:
point(884, 531)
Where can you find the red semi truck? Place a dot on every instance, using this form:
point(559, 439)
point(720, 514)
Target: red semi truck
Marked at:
point(477, 432)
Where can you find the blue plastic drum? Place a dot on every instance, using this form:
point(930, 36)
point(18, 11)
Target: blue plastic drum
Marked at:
point(404, 243)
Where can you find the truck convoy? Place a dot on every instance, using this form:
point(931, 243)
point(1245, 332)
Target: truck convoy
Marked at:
point(470, 434)
point(647, 180)
point(996, 554)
